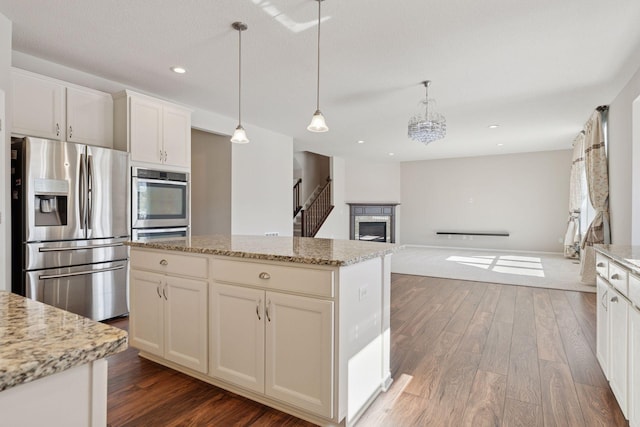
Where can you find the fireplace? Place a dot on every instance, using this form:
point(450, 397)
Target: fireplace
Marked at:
point(372, 222)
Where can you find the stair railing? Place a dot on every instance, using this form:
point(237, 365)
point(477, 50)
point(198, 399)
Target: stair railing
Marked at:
point(319, 209)
point(296, 197)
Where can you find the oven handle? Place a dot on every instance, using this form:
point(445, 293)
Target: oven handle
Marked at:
point(79, 273)
point(160, 181)
point(77, 248)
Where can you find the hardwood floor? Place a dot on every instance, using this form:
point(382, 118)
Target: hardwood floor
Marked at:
point(462, 354)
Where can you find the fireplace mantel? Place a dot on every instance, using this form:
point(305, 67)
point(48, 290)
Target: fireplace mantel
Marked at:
point(374, 212)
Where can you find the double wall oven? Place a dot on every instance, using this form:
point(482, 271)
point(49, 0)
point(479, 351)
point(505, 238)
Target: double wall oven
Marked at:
point(159, 204)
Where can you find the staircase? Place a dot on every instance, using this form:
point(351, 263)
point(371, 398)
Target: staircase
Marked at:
point(309, 218)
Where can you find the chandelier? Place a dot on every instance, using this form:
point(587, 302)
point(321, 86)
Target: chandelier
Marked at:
point(431, 125)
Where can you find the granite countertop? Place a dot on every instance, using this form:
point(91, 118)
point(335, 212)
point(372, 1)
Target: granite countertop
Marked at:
point(305, 250)
point(37, 340)
point(628, 256)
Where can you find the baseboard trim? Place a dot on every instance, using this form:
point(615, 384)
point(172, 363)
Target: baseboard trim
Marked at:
point(408, 245)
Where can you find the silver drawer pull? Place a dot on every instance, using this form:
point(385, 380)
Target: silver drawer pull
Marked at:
point(164, 262)
point(264, 275)
point(615, 276)
point(600, 264)
point(614, 299)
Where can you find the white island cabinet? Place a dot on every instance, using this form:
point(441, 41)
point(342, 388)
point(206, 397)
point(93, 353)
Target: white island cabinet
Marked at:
point(299, 324)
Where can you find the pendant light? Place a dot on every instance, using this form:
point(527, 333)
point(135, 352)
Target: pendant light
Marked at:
point(318, 124)
point(239, 135)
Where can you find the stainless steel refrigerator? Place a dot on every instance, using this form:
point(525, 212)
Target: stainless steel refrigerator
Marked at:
point(69, 222)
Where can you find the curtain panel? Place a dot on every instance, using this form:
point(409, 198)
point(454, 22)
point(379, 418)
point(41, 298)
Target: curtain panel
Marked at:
point(573, 235)
point(595, 163)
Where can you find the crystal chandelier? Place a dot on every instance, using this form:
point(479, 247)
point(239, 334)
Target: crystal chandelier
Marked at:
point(431, 125)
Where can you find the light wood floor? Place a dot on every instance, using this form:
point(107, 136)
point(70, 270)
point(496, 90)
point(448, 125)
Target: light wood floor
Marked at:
point(463, 354)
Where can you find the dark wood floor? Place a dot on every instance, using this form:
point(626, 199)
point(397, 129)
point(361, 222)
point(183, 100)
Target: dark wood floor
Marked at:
point(462, 354)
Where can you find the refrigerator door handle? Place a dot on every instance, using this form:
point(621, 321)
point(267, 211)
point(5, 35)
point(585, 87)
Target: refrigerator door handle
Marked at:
point(77, 248)
point(79, 273)
point(82, 192)
point(90, 192)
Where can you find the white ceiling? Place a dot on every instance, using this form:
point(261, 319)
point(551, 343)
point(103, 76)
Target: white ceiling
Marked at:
point(537, 68)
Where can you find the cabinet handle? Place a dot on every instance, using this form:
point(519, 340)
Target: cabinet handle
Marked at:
point(158, 291)
point(615, 276)
point(164, 292)
point(614, 299)
point(57, 129)
point(264, 275)
point(164, 262)
point(600, 264)
point(258, 309)
point(165, 156)
point(266, 310)
point(70, 132)
point(161, 156)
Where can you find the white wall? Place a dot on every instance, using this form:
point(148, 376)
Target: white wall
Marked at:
point(210, 183)
point(5, 159)
point(624, 181)
point(526, 195)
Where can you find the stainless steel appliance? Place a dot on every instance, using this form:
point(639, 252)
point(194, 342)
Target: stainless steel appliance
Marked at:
point(159, 199)
point(159, 233)
point(69, 222)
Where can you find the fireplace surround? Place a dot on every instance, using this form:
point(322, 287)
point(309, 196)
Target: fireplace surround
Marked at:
point(373, 222)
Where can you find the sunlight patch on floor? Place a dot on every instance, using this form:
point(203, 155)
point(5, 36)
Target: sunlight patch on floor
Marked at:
point(505, 264)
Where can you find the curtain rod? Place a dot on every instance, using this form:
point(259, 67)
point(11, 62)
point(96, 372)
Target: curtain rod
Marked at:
point(602, 108)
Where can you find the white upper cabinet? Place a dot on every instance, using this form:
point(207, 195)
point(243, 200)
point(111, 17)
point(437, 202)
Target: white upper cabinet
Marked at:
point(38, 106)
point(155, 132)
point(52, 109)
point(89, 117)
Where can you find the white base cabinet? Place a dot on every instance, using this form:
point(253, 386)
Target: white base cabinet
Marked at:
point(618, 351)
point(168, 314)
point(602, 325)
point(634, 367)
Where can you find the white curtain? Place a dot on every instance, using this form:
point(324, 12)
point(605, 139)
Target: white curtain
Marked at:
point(595, 157)
point(576, 192)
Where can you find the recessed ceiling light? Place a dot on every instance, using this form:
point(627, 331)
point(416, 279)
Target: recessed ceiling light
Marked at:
point(392, 154)
point(179, 70)
point(500, 145)
point(360, 142)
point(493, 126)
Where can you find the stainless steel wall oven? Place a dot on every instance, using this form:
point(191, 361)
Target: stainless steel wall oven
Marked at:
point(159, 199)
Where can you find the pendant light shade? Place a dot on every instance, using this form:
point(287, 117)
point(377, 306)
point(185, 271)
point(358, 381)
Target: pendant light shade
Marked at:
point(239, 135)
point(318, 123)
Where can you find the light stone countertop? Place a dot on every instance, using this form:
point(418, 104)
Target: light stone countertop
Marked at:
point(37, 340)
point(304, 250)
point(628, 256)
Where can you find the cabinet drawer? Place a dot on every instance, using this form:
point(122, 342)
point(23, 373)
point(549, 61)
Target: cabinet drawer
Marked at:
point(634, 290)
point(170, 263)
point(618, 277)
point(303, 280)
point(602, 265)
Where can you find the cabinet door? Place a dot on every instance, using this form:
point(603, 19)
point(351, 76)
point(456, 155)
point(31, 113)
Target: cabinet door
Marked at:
point(185, 322)
point(37, 107)
point(602, 322)
point(145, 130)
point(146, 312)
point(634, 367)
point(89, 117)
point(237, 336)
point(299, 352)
point(618, 328)
point(177, 136)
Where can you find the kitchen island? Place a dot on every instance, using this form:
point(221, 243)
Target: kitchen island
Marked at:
point(52, 366)
point(299, 324)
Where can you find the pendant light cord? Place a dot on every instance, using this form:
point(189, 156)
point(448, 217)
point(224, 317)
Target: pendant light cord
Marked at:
point(239, 77)
point(318, 82)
